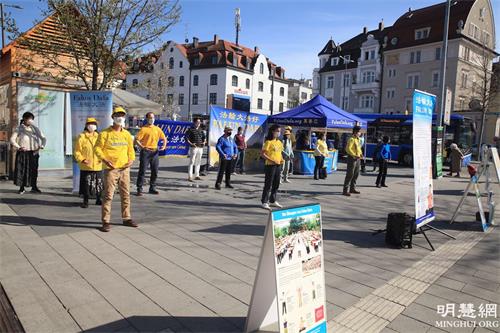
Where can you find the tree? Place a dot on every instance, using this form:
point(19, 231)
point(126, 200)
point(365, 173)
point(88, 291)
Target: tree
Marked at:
point(484, 90)
point(98, 36)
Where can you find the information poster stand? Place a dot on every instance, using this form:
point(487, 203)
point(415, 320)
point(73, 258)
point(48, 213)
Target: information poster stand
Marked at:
point(289, 286)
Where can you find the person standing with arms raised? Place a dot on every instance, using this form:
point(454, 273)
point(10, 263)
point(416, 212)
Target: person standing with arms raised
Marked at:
point(115, 148)
point(147, 139)
point(227, 155)
point(354, 155)
point(272, 151)
point(196, 138)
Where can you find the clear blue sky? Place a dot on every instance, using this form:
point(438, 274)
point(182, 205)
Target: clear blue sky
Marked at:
point(289, 32)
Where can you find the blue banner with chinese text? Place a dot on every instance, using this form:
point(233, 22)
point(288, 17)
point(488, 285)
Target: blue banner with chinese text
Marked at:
point(175, 131)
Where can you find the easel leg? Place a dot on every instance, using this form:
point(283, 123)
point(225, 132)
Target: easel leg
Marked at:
point(426, 238)
point(440, 231)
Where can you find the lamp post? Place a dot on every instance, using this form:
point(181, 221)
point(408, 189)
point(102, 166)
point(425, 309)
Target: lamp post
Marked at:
point(2, 5)
point(346, 63)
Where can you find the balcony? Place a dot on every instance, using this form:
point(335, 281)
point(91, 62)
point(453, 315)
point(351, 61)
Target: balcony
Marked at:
point(372, 87)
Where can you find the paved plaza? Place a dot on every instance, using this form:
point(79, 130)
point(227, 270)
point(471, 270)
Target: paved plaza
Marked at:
point(191, 264)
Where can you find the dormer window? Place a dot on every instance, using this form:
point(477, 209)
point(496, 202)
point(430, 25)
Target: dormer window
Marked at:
point(422, 33)
point(213, 60)
point(335, 61)
point(196, 61)
point(347, 59)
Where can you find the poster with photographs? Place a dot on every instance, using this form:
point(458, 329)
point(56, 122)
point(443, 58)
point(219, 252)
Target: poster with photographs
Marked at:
point(300, 278)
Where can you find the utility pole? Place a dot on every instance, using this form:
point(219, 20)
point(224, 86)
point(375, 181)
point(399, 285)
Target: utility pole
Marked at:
point(237, 24)
point(273, 71)
point(2, 21)
point(444, 58)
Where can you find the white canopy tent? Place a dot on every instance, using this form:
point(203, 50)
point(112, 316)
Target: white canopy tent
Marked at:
point(134, 104)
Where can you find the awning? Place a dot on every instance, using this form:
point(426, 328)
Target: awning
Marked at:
point(134, 104)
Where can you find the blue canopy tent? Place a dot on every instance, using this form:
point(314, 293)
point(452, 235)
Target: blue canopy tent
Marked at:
point(318, 113)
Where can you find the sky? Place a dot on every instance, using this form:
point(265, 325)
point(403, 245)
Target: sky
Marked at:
point(289, 32)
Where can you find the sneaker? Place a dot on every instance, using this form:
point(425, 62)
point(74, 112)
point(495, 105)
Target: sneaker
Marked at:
point(21, 191)
point(35, 190)
point(198, 178)
point(106, 227)
point(130, 223)
point(266, 206)
point(287, 181)
point(153, 191)
point(276, 204)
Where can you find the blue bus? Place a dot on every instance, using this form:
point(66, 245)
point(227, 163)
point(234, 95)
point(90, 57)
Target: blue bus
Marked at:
point(399, 129)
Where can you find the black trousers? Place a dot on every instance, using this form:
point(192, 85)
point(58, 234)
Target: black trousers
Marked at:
point(382, 172)
point(271, 183)
point(225, 167)
point(320, 162)
point(352, 173)
point(151, 159)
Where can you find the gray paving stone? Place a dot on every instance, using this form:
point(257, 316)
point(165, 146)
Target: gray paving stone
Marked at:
point(405, 324)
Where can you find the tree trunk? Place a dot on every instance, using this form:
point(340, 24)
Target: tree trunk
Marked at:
point(481, 133)
point(95, 75)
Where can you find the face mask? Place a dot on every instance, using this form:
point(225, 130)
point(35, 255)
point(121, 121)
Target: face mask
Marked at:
point(29, 122)
point(276, 134)
point(150, 121)
point(91, 128)
point(229, 133)
point(119, 121)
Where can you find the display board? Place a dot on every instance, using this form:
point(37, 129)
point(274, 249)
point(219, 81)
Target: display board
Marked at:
point(292, 257)
point(423, 107)
point(496, 162)
point(175, 132)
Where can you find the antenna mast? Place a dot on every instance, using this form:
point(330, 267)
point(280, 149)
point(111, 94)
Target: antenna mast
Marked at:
point(237, 24)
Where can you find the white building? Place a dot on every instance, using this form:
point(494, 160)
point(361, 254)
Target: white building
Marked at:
point(299, 92)
point(217, 72)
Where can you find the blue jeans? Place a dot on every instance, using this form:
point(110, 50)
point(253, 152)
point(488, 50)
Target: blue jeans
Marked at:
point(240, 161)
point(146, 158)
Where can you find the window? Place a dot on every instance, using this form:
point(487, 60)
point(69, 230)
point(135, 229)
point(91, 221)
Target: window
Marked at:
point(159, 83)
point(335, 61)
point(481, 13)
point(162, 65)
point(171, 81)
point(435, 79)
point(281, 106)
point(367, 101)
point(329, 82)
point(196, 61)
point(461, 103)
point(181, 99)
point(372, 55)
point(412, 81)
point(474, 31)
point(415, 57)
point(465, 53)
point(195, 99)
point(282, 91)
point(261, 69)
point(438, 53)
point(181, 81)
point(247, 83)
point(135, 83)
point(181, 64)
point(147, 96)
point(392, 72)
point(367, 55)
point(170, 99)
point(464, 79)
point(368, 77)
point(422, 33)
point(214, 60)
point(347, 59)
point(303, 95)
point(213, 98)
point(261, 86)
point(213, 79)
point(345, 102)
point(195, 80)
point(390, 93)
point(171, 63)
point(234, 81)
point(347, 80)
point(486, 38)
point(259, 103)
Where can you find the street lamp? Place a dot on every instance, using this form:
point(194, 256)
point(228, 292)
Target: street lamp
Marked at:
point(346, 61)
point(2, 19)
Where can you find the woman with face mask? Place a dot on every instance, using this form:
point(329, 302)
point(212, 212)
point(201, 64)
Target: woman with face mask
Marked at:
point(272, 151)
point(90, 165)
point(28, 140)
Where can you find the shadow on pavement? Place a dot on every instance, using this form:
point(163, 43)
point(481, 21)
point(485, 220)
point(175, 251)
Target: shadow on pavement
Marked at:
point(30, 201)
point(35, 221)
point(171, 324)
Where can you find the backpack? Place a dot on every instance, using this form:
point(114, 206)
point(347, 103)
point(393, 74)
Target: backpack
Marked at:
point(400, 229)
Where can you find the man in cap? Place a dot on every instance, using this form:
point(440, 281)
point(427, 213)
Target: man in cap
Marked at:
point(147, 139)
point(354, 155)
point(228, 151)
point(115, 148)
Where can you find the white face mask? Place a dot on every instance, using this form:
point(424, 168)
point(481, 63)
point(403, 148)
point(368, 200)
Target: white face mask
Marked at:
point(119, 121)
point(91, 128)
point(150, 121)
point(29, 122)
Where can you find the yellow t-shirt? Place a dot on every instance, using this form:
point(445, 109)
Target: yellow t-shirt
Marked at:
point(84, 150)
point(353, 147)
point(273, 149)
point(321, 148)
point(115, 146)
point(149, 136)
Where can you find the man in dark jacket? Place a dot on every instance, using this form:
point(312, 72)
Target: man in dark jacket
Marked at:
point(227, 153)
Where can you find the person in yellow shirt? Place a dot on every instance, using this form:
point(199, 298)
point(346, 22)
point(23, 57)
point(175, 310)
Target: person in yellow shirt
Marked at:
point(272, 151)
point(90, 165)
point(320, 153)
point(147, 139)
point(115, 148)
point(354, 155)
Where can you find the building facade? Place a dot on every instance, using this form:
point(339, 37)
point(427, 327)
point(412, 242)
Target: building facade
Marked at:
point(377, 70)
point(299, 92)
point(191, 77)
